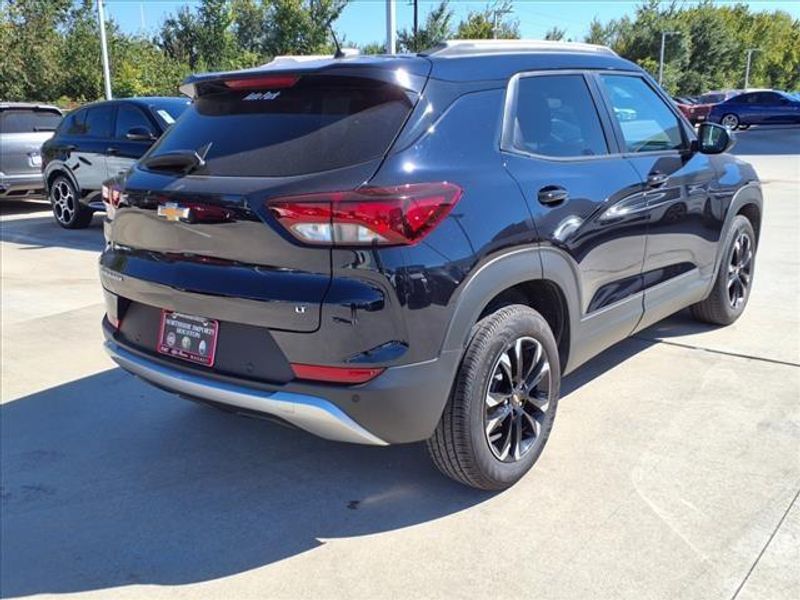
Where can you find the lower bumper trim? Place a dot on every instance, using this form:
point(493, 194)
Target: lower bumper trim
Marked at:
point(316, 415)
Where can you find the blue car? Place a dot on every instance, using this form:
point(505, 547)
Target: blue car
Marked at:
point(757, 108)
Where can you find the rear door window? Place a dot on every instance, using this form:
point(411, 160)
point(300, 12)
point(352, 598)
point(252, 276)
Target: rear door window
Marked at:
point(318, 124)
point(646, 122)
point(556, 116)
point(28, 120)
point(99, 121)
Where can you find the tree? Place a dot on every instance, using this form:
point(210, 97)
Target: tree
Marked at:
point(31, 45)
point(373, 48)
point(555, 34)
point(436, 29)
point(489, 23)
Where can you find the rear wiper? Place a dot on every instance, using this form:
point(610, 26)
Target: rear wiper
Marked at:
point(183, 161)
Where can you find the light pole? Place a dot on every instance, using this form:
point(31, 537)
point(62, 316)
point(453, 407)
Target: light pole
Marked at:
point(391, 34)
point(664, 35)
point(104, 49)
point(747, 69)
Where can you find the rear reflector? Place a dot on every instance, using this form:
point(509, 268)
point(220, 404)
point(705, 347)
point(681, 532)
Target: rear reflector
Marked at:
point(267, 82)
point(335, 374)
point(395, 215)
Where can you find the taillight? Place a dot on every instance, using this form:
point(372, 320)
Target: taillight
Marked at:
point(267, 81)
point(111, 197)
point(395, 215)
point(350, 375)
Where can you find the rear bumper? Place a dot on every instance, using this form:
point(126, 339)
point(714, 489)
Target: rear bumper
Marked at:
point(315, 415)
point(402, 405)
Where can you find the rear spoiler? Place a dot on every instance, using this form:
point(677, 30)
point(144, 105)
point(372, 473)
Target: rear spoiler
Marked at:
point(410, 72)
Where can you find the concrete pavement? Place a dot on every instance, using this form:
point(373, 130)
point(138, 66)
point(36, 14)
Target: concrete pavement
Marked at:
point(673, 469)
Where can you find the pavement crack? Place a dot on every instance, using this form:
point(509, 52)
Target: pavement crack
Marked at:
point(764, 549)
point(723, 352)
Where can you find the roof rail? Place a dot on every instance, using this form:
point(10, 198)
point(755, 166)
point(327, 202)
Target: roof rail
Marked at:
point(471, 47)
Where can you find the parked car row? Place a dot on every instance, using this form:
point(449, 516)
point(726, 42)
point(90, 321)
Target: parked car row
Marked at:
point(741, 108)
point(67, 159)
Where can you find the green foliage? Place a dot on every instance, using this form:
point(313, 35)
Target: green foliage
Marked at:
point(708, 49)
point(555, 34)
point(491, 22)
point(373, 48)
point(51, 49)
point(436, 29)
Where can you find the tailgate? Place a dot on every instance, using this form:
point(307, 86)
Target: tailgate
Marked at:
point(205, 242)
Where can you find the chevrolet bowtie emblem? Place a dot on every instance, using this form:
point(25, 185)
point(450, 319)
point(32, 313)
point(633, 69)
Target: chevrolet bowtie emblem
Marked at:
point(172, 211)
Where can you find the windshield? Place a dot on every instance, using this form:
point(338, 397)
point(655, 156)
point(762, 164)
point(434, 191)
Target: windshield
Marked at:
point(318, 124)
point(167, 114)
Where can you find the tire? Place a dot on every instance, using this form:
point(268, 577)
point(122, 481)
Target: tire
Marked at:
point(492, 429)
point(68, 210)
point(734, 280)
point(730, 120)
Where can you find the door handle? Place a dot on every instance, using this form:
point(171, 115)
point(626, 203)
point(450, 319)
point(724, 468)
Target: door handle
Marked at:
point(656, 179)
point(112, 150)
point(552, 194)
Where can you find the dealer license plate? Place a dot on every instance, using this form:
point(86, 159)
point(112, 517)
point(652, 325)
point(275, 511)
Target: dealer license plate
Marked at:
point(188, 337)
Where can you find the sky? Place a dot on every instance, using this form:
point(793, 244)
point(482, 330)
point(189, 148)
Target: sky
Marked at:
point(364, 21)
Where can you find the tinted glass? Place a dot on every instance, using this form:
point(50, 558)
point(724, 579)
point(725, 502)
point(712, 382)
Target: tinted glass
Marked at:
point(712, 98)
point(320, 123)
point(129, 117)
point(769, 98)
point(98, 121)
point(647, 123)
point(556, 116)
point(27, 120)
point(74, 123)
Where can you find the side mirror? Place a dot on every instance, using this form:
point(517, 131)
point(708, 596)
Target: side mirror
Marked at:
point(140, 134)
point(714, 139)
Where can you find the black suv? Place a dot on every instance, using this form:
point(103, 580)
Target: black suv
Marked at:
point(96, 142)
point(401, 248)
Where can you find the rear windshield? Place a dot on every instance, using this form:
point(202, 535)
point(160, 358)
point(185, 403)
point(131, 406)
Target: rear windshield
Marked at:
point(320, 123)
point(26, 120)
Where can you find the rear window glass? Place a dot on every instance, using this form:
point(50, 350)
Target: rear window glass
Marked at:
point(320, 123)
point(27, 121)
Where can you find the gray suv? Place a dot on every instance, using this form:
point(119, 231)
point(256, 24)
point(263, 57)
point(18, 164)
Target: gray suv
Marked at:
point(24, 127)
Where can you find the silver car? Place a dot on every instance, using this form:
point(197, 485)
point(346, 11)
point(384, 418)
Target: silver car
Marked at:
point(24, 127)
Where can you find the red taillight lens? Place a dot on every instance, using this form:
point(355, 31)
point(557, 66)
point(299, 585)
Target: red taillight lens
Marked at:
point(271, 82)
point(335, 374)
point(395, 215)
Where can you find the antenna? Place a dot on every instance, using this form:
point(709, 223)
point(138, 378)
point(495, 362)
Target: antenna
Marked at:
point(338, 53)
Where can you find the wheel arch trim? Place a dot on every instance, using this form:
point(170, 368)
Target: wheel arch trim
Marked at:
point(505, 271)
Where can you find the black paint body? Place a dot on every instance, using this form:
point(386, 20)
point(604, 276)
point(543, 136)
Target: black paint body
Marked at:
point(411, 308)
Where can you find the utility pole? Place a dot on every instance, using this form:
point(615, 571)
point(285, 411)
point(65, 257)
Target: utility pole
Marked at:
point(416, 17)
point(104, 49)
point(497, 13)
point(747, 69)
point(664, 35)
point(391, 33)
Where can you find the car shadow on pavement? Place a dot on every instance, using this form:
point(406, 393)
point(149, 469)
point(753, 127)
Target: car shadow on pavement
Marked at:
point(22, 207)
point(43, 232)
point(109, 482)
